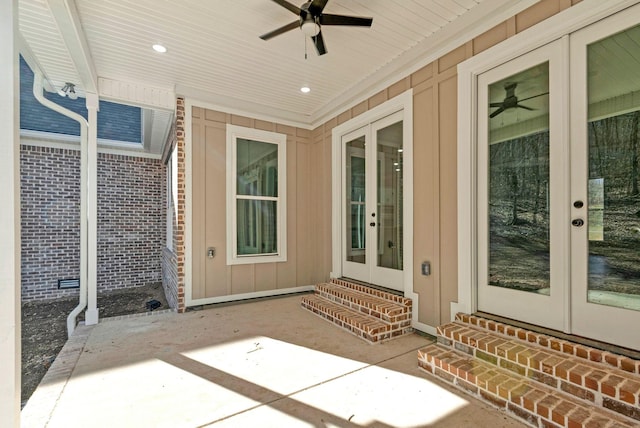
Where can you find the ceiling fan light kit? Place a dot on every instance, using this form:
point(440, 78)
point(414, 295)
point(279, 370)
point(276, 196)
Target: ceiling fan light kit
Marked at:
point(311, 19)
point(310, 28)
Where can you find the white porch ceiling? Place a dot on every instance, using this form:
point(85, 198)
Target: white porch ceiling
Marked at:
point(215, 53)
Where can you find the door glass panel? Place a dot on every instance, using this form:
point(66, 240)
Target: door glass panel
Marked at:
point(519, 244)
point(614, 170)
point(355, 201)
point(389, 192)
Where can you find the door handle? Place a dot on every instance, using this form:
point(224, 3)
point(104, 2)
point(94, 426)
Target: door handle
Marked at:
point(577, 222)
point(372, 224)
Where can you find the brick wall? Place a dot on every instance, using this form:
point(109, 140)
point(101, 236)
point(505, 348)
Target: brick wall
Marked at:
point(131, 197)
point(180, 228)
point(50, 210)
point(131, 226)
point(170, 277)
point(169, 257)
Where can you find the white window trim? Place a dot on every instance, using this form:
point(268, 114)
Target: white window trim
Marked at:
point(559, 25)
point(233, 133)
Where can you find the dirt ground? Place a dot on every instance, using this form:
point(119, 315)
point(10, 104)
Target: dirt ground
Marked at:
point(44, 326)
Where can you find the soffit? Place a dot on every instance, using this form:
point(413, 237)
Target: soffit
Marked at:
point(215, 53)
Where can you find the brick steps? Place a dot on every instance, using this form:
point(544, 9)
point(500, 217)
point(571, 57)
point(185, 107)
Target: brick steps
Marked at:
point(576, 376)
point(531, 401)
point(371, 314)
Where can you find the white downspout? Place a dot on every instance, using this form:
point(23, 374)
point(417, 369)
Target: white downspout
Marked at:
point(91, 315)
point(84, 127)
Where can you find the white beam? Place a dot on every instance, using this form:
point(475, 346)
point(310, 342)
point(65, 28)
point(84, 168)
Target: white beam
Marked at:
point(66, 16)
point(91, 316)
point(137, 94)
point(9, 217)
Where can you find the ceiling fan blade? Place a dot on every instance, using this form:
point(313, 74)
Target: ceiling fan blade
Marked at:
point(317, 6)
point(497, 112)
point(495, 105)
point(278, 31)
point(535, 96)
point(357, 21)
point(319, 42)
point(289, 6)
point(524, 107)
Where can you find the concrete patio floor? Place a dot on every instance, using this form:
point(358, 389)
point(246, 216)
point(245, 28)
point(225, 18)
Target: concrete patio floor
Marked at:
point(265, 363)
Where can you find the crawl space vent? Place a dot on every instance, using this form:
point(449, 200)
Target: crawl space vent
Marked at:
point(69, 283)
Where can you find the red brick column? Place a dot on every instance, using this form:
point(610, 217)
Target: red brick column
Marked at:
point(180, 235)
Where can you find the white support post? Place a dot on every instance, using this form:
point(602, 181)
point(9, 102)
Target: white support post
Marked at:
point(91, 316)
point(9, 218)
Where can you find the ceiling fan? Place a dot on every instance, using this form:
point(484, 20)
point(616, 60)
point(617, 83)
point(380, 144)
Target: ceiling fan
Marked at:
point(311, 19)
point(511, 101)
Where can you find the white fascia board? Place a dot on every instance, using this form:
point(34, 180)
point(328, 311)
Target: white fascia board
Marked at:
point(32, 62)
point(68, 20)
point(137, 94)
point(72, 142)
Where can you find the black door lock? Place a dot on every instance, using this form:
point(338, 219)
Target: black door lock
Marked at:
point(577, 222)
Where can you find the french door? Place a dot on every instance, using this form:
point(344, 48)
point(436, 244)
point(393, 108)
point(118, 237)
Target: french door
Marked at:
point(372, 206)
point(521, 188)
point(559, 184)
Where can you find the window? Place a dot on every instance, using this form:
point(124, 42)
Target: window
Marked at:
point(256, 196)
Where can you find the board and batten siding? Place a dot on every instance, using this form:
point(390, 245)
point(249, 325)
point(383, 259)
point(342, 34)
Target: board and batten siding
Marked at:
point(307, 246)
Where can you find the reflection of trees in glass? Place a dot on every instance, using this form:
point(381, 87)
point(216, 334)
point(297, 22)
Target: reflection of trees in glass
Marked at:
point(614, 254)
point(519, 213)
point(519, 171)
point(613, 153)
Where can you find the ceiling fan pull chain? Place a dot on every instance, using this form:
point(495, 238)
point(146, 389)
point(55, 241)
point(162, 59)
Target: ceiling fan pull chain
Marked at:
point(305, 47)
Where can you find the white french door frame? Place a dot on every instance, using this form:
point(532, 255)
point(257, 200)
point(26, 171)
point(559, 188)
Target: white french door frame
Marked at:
point(508, 302)
point(564, 23)
point(592, 319)
point(401, 103)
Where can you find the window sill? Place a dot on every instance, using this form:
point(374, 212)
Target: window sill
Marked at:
point(250, 260)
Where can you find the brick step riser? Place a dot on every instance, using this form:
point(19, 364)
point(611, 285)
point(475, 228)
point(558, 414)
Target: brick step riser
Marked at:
point(374, 335)
point(373, 292)
point(536, 404)
point(395, 315)
point(552, 343)
point(618, 391)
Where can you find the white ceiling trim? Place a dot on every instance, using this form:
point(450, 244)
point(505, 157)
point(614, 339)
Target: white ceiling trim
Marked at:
point(66, 16)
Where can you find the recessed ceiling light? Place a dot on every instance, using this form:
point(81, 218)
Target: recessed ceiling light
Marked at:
point(305, 89)
point(159, 48)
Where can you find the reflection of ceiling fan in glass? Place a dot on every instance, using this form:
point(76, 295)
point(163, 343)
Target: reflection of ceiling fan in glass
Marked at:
point(511, 101)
